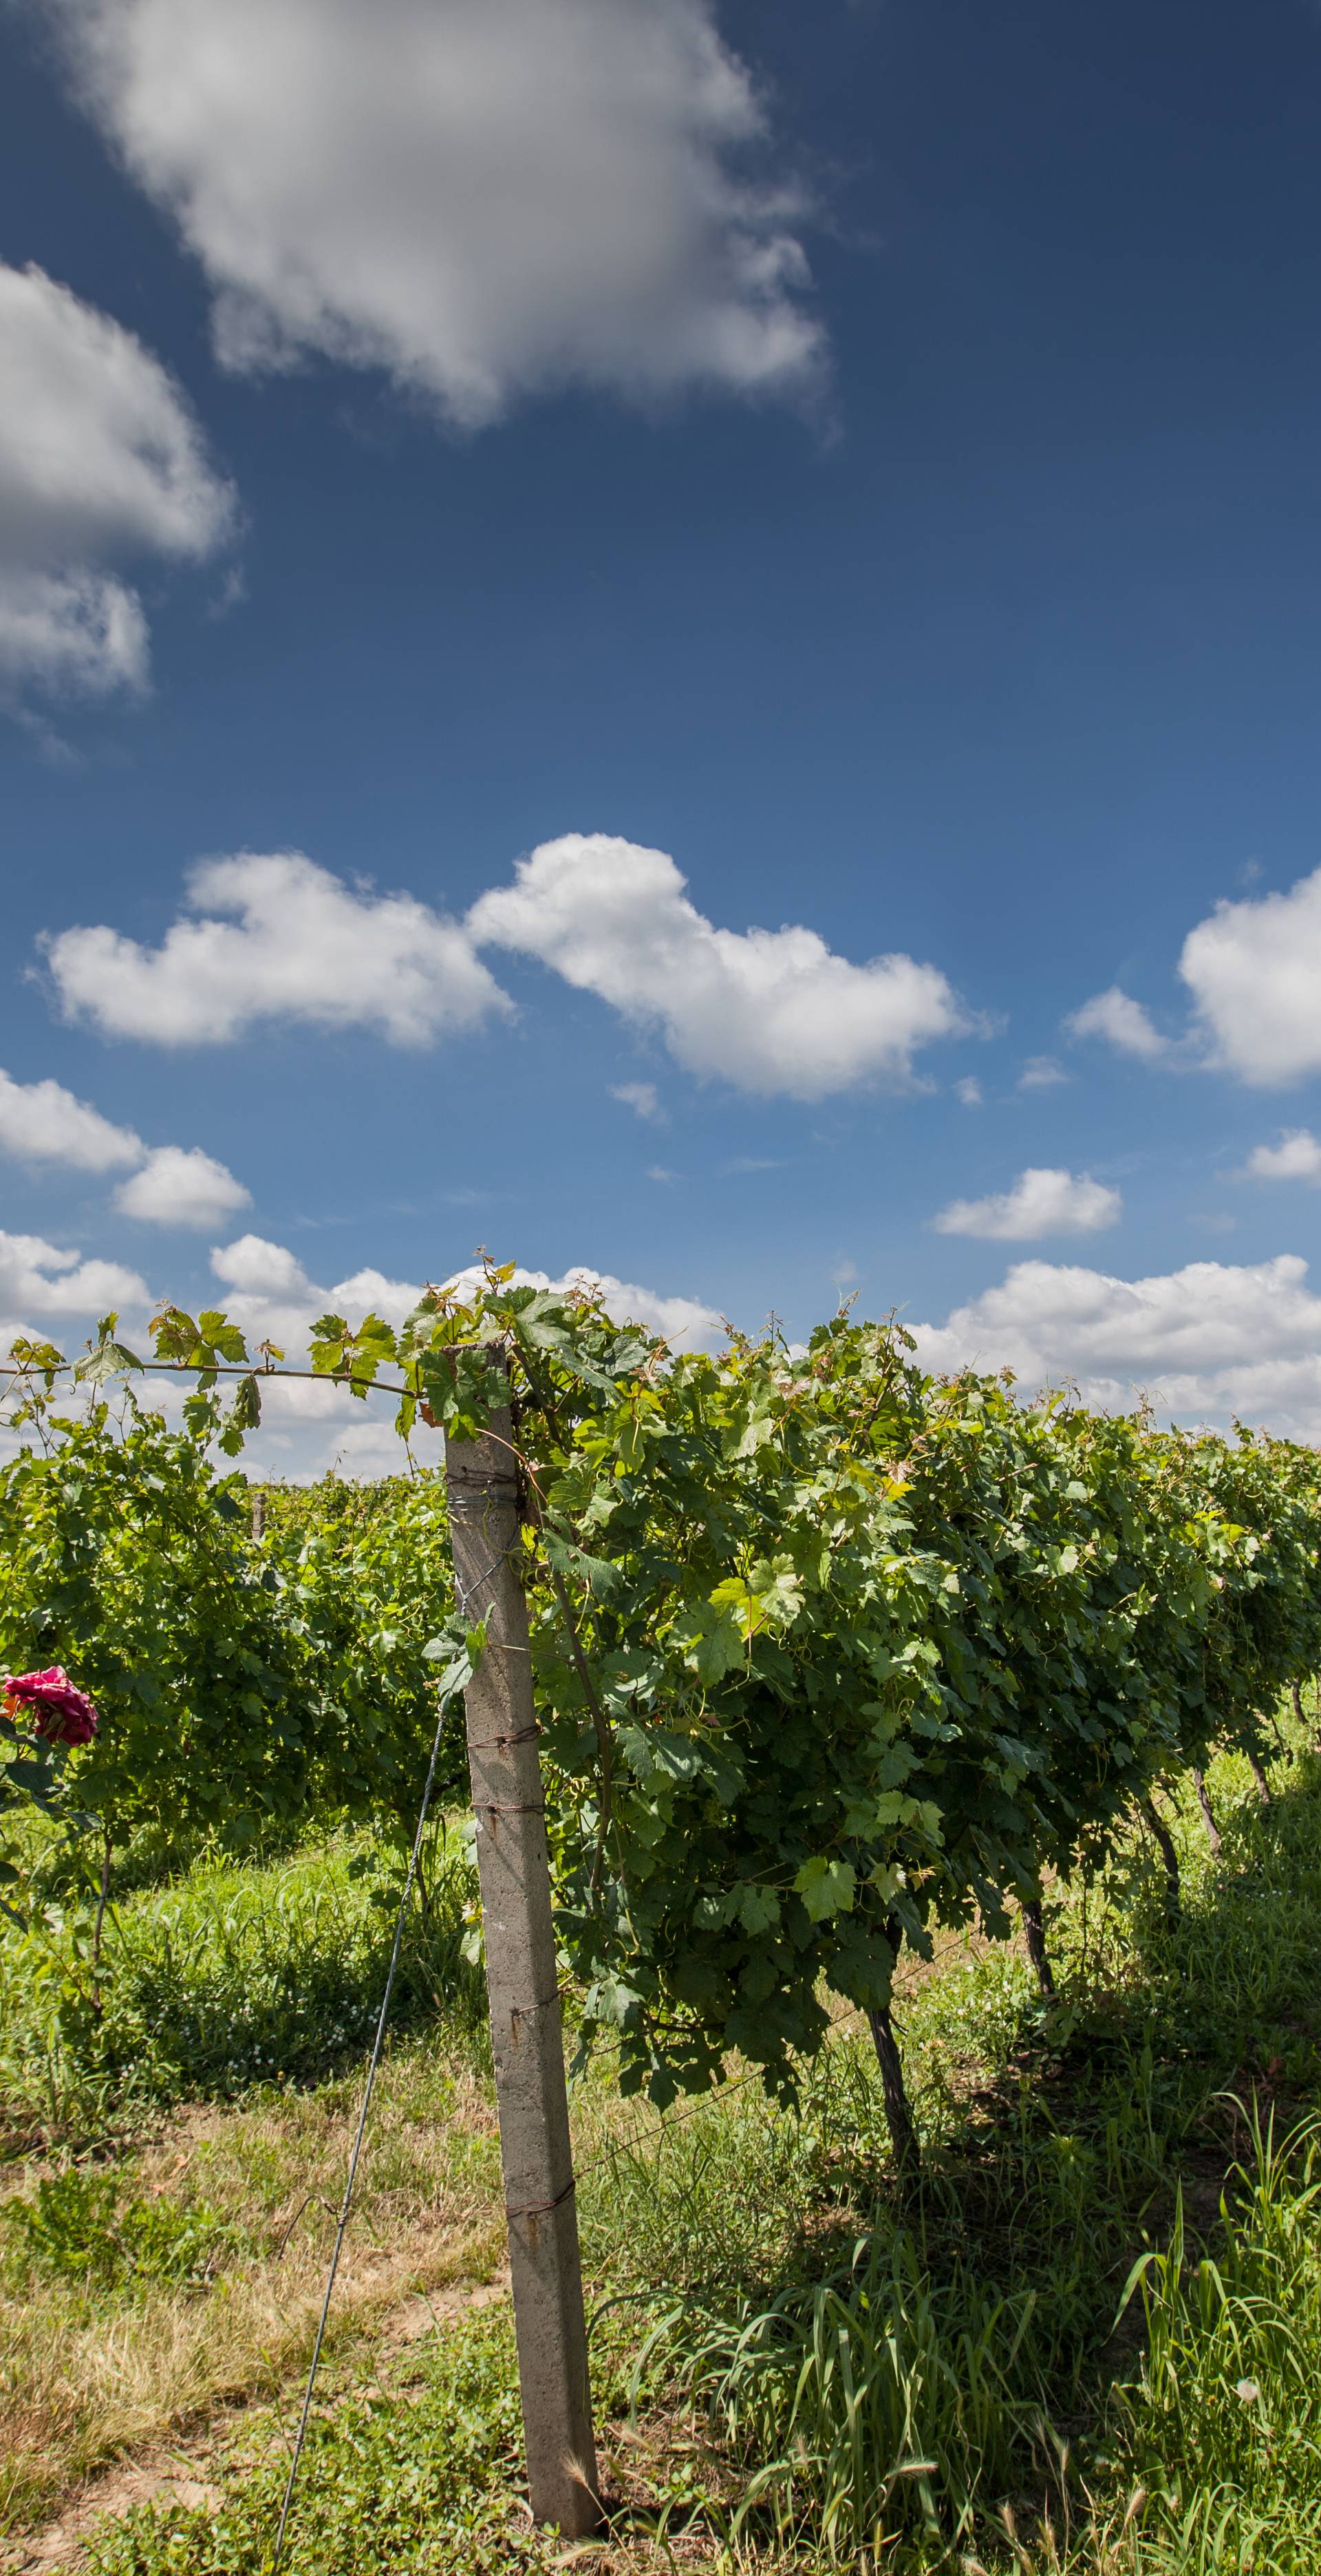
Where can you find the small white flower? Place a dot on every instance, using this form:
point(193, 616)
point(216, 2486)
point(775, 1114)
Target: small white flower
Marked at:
point(1248, 2390)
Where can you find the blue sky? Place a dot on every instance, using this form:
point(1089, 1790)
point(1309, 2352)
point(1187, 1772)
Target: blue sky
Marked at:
point(866, 454)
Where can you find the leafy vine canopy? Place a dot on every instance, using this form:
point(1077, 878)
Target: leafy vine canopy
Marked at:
point(828, 1654)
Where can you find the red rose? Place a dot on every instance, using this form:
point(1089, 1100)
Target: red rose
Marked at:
point(52, 1705)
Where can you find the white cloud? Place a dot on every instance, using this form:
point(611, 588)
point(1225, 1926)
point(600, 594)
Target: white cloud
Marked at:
point(171, 1184)
point(1297, 1157)
point(1122, 1022)
point(261, 1268)
point(1042, 1073)
point(1204, 1343)
point(178, 1186)
point(304, 947)
point(43, 1123)
point(1042, 1201)
point(638, 1096)
point(41, 1278)
point(969, 1090)
point(101, 460)
point(484, 197)
point(1254, 972)
point(1253, 969)
point(83, 633)
point(770, 1010)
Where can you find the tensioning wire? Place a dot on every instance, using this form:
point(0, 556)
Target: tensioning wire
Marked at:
point(347, 2203)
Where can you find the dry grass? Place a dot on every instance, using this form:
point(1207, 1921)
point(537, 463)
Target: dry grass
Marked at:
point(88, 2374)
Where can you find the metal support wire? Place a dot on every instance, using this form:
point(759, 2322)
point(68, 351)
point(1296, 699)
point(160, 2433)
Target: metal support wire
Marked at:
point(347, 2203)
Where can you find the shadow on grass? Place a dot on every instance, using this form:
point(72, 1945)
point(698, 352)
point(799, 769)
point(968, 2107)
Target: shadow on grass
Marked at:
point(894, 2367)
point(823, 2373)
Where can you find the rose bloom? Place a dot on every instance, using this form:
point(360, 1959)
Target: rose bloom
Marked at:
point(53, 1706)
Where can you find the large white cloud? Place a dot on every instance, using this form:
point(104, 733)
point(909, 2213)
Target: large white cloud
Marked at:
point(1203, 1343)
point(101, 461)
point(482, 196)
point(304, 947)
point(1253, 970)
point(773, 1011)
point(770, 1010)
point(1042, 1201)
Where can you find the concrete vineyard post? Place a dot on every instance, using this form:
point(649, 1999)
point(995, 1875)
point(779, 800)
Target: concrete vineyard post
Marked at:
point(509, 1806)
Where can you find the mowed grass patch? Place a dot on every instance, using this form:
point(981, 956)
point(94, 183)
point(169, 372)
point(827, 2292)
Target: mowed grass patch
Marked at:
point(161, 2258)
point(117, 2334)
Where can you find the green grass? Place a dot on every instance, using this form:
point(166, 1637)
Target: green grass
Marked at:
point(1221, 2431)
point(233, 1977)
point(423, 2479)
point(821, 2371)
point(965, 2353)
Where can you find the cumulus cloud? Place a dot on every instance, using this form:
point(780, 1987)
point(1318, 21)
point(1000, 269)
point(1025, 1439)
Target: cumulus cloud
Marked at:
point(1253, 969)
point(1042, 1201)
point(41, 1122)
point(181, 1186)
point(101, 460)
point(483, 197)
point(277, 938)
point(1042, 1073)
point(1122, 1022)
point(39, 1279)
point(1254, 972)
point(1205, 1343)
point(260, 1268)
point(1297, 1157)
point(969, 1090)
point(769, 1010)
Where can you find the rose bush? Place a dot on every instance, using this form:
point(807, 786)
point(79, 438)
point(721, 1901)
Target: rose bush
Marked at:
point(55, 1710)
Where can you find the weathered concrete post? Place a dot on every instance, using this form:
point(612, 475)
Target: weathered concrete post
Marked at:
point(509, 1805)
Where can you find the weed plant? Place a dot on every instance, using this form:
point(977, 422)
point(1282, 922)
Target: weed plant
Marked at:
point(85, 2227)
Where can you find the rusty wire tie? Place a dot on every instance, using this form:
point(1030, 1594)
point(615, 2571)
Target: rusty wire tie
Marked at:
point(540, 2208)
